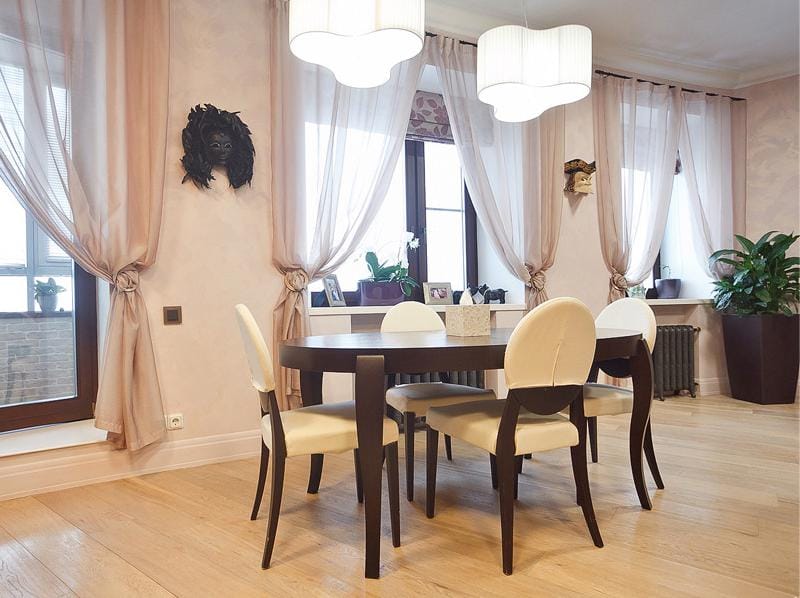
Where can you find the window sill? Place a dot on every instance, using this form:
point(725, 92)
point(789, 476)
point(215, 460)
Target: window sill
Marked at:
point(679, 301)
point(34, 314)
point(46, 438)
point(382, 309)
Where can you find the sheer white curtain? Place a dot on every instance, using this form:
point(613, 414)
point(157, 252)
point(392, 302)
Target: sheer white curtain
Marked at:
point(92, 175)
point(636, 131)
point(334, 151)
point(710, 126)
point(514, 171)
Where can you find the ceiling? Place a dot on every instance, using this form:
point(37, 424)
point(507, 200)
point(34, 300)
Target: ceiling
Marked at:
point(724, 44)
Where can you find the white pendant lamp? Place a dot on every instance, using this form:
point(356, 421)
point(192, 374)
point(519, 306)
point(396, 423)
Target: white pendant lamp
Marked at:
point(522, 72)
point(359, 40)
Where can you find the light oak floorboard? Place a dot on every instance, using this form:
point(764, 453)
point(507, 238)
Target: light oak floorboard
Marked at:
point(726, 524)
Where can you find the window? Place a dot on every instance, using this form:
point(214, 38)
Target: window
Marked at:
point(48, 344)
point(427, 197)
point(440, 214)
point(677, 257)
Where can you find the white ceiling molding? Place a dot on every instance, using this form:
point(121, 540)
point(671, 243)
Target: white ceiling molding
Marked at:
point(467, 19)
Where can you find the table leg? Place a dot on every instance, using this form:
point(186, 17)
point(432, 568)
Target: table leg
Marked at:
point(311, 391)
point(641, 366)
point(370, 407)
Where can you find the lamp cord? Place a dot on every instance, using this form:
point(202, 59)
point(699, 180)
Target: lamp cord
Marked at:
point(525, 12)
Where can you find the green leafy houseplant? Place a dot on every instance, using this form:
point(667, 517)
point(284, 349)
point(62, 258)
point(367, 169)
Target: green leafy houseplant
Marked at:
point(43, 289)
point(763, 280)
point(389, 272)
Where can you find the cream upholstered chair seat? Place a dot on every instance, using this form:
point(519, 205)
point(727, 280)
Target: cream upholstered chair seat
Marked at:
point(327, 428)
point(419, 397)
point(478, 422)
point(313, 430)
point(604, 399)
point(413, 400)
point(547, 361)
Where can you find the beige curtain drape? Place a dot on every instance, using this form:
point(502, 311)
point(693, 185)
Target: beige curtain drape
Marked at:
point(334, 150)
point(636, 131)
point(95, 184)
point(514, 171)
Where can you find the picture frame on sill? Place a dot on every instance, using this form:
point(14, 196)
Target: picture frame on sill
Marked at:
point(333, 292)
point(437, 293)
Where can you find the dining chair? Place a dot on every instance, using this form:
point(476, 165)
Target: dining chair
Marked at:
point(319, 429)
point(547, 359)
point(604, 399)
point(413, 400)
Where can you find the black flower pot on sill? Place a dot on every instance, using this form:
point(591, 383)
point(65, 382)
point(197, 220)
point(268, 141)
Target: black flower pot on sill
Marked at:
point(380, 293)
point(668, 288)
point(762, 355)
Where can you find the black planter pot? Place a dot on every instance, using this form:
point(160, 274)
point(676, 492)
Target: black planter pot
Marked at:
point(762, 354)
point(380, 293)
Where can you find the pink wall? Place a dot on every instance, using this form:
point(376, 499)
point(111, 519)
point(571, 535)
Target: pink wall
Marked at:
point(773, 139)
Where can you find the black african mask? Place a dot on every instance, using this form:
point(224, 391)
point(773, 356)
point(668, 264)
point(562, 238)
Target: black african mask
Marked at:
point(216, 137)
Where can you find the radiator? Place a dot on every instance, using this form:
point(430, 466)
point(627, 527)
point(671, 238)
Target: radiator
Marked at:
point(467, 378)
point(673, 360)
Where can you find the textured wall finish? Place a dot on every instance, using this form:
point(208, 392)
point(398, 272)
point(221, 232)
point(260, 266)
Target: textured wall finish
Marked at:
point(773, 172)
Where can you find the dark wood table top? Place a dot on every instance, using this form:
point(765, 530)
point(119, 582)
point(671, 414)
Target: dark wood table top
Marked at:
point(425, 351)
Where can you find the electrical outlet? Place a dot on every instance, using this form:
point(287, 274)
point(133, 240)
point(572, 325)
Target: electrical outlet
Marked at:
point(175, 421)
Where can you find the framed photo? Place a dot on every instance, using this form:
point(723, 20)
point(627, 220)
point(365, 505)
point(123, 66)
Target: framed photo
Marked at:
point(333, 292)
point(437, 293)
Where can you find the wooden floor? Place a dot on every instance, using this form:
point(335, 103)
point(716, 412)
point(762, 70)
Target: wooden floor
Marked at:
point(726, 524)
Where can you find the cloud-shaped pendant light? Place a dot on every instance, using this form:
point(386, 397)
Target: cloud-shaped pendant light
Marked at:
point(522, 72)
point(359, 40)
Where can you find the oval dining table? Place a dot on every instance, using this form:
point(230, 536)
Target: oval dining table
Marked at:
point(372, 355)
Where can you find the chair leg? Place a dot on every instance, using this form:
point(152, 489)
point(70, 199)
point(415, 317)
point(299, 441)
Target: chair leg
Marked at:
point(393, 486)
point(315, 475)
point(430, 482)
point(507, 475)
point(276, 492)
point(580, 471)
point(359, 486)
point(529, 456)
point(518, 466)
point(493, 466)
point(591, 424)
point(262, 478)
point(448, 447)
point(408, 431)
point(651, 457)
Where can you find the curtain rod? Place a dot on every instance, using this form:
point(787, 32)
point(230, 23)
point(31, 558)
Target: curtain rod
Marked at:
point(610, 74)
point(429, 34)
point(708, 93)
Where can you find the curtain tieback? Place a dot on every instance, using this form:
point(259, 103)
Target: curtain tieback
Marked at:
point(618, 281)
point(295, 280)
point(127, 280)
point(537, 279)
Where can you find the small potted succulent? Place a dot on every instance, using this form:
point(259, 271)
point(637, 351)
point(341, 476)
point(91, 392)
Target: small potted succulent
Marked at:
point(758, 297)
point(46, 294)
point(389, 282)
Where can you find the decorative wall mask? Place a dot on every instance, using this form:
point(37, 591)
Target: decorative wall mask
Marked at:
point(580, 176)
point(215, 137)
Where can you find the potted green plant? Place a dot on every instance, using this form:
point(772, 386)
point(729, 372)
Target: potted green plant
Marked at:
point(46, 294)
point(389, 282)
point(758, 299)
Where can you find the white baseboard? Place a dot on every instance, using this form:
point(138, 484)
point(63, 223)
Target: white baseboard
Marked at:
point(712, 386)
point(24, 475)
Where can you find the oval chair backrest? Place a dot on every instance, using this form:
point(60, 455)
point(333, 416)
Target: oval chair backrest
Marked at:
point(258, 356)
point(553, 345)
point(411, 316)
point(630, 313)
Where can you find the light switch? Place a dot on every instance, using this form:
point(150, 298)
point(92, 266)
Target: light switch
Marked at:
point(172, 315)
